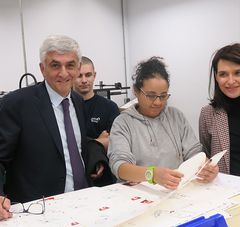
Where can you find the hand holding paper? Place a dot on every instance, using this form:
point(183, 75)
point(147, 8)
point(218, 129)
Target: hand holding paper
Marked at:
point(210, 171)
point(190, 167)
point(198, 166)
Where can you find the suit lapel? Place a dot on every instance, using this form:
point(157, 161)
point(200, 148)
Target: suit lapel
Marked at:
point(47, 113)
point(78, 105)
point(80, 112)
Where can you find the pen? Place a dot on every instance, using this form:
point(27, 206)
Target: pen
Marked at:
point(207, 162)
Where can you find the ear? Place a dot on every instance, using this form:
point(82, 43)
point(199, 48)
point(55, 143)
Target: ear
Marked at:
point(42, 67)
point(135, 91)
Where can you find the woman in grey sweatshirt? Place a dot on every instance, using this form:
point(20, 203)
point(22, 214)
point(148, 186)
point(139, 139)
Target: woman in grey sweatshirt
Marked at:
point(149, 140)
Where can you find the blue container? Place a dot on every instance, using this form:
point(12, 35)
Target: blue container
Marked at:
point(216, 220)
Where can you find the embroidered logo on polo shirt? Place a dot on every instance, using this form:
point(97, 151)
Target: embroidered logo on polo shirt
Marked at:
point(95, 119)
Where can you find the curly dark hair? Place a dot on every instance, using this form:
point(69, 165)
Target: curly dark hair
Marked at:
point(152, 68)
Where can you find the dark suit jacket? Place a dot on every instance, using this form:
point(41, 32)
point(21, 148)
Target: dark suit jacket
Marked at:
point(31, 153)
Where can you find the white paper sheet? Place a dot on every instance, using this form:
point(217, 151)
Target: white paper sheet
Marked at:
point(115, 204)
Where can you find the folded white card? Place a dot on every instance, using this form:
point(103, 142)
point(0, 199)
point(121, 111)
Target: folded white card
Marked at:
point(216, 158)
point(193, 165)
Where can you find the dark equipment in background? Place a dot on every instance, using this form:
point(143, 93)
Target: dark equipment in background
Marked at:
point(2, 93)
point(26, 75)
point(108, 90)
point(104, 90)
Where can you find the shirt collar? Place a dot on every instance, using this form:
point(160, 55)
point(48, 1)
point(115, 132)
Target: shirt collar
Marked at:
point(55, 98)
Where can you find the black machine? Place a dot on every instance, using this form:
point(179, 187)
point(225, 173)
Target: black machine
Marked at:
point(108, 90)
point(2, 93)
point(26, 75)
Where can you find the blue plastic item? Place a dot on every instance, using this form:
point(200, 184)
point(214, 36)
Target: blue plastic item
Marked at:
point(216, 220)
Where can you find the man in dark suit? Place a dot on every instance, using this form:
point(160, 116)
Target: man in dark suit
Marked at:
point(34, 153)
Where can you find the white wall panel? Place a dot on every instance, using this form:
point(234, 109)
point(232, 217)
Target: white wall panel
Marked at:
point(185, 33)
point(11, 54)
point(96, 25)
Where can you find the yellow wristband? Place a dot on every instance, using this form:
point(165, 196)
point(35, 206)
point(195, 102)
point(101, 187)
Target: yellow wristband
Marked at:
point(149, 174)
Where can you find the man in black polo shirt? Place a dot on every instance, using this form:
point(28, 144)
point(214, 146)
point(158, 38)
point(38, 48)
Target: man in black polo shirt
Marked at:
point(100, 112)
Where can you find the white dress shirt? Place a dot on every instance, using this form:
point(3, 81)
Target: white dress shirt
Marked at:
point(56, 100)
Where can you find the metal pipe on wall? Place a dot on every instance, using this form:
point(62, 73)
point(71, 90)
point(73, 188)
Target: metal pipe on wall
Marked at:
point(124, 48)
point(23, 40)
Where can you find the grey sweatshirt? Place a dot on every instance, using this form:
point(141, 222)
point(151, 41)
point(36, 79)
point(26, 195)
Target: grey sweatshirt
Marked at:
point(164, 141)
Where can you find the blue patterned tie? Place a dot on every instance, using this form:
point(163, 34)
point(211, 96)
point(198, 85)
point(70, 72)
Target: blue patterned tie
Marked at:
point(79, 178)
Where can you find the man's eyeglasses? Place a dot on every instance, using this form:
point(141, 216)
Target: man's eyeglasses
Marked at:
point(33, 208)
point(152, 97)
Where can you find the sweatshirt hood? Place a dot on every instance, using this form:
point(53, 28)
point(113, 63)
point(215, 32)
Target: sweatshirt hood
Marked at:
point(132, 111)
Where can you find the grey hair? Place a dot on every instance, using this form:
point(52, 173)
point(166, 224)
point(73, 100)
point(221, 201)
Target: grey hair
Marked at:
point(61, 44)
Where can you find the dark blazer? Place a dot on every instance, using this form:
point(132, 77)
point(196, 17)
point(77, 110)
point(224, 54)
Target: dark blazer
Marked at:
point(31, 153)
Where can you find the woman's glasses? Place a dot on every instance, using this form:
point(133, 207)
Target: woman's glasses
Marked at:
point(153, 97)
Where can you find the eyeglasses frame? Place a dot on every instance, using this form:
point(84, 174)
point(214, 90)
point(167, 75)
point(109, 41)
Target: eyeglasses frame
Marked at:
point(26, 210)
point(157, 96)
